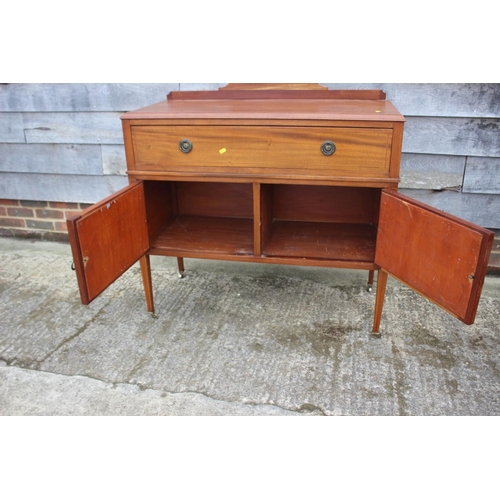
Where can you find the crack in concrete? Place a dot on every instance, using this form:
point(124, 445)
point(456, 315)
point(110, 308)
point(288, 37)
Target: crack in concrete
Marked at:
point(76, 334)
point(308, 408)
point(304, 409)
point(17, 363)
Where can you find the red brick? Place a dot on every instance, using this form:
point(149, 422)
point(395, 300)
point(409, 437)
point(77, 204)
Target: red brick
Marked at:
point(40, 224)
point(60, 226)
point(12, 203)
point(20, 212)
point(29, 203)
point(12, 222)
point(3, 211)
point(85, 205)
point(63, 204)
point(49, 214)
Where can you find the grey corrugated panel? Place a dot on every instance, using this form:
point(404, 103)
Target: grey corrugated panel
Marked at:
point(481, 209)
point(452, 136)
point(482, 175)
point(11, 127)
point(80, 159)
point(76, 97)
point(54, 187)
point(478, 100)
point(421, 171)
point(113, 159)
point(201, 86)
point(64, 128)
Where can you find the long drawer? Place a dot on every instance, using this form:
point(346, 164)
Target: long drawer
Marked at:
point(270, 150)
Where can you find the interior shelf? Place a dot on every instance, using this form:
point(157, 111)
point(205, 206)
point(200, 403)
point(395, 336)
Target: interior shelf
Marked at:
point(255, 222)
point(192, 234)
point(321, 240)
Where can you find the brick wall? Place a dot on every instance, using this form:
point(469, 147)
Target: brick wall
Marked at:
point(37, 219)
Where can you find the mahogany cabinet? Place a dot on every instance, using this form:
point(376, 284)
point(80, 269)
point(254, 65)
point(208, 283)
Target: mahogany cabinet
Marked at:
point(296, 175)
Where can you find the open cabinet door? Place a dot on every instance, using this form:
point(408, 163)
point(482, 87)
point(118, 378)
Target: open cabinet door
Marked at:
point(438, 255)
point(108, 238)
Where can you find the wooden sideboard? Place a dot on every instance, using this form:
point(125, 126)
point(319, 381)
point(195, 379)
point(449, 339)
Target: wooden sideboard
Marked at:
point(295, 175)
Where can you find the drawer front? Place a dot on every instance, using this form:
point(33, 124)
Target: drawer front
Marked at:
point(263, 150)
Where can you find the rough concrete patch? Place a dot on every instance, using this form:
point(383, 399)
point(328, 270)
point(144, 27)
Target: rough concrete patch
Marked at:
point(27, 392)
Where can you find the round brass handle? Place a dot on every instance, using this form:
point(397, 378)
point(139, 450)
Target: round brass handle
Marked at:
point(185, 145)
point(328, 148)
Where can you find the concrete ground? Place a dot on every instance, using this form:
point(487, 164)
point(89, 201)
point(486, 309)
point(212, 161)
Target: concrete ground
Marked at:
point(235, 339)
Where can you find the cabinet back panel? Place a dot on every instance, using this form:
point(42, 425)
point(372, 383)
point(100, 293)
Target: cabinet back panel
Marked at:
point(325, 204)
point(160, 205)
point(215, 199)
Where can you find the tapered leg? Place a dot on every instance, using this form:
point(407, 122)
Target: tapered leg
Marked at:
point(146, 280)
point(379, 299)
point(371, 274)
point(180, 265)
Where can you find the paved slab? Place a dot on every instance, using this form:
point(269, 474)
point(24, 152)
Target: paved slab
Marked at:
point(233, 339)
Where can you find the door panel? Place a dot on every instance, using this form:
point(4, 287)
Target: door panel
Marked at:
point(438, 255)
point(107, 238)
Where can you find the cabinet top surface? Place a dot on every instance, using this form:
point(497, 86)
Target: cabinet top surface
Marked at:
point(270, 109)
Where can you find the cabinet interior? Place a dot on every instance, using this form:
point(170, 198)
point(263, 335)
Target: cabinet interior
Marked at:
point(319, 222)
point(190, 218)
point(262, 220)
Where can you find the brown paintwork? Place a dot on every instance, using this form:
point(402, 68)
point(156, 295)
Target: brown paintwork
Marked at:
point(284, 178)
point(276, 93)
point(108, 238)
point(269, 109)
point(438, 255)
point(325, 203)
point(195, 234)
point(321, 240)
point(379, 299)
point(272, 86)
point(215, 199)
point(147, 282)
point(360, 152)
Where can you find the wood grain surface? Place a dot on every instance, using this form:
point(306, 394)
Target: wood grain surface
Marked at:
point(108, 238)
point(319, 240)
point(282, 109)
point(242, 149)
point(440, 256)
point(199, 235)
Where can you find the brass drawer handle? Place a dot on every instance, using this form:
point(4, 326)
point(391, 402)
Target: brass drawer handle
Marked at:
point(328, 148)
point(185, 145)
